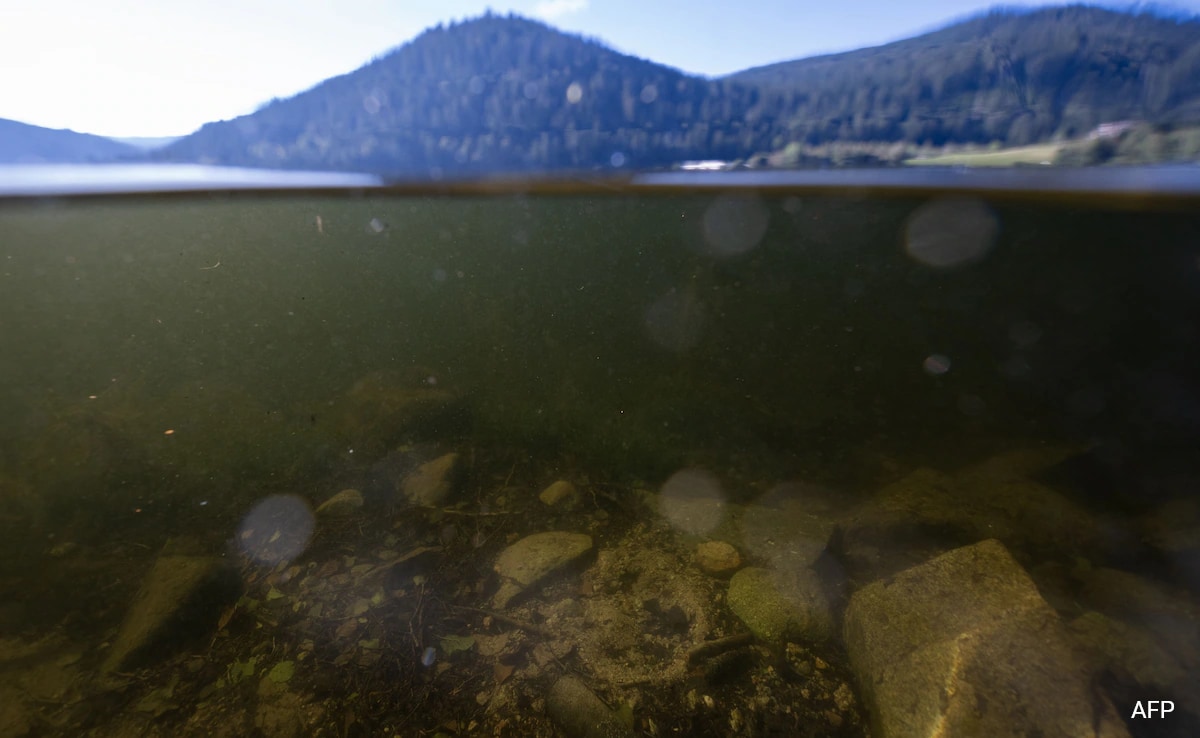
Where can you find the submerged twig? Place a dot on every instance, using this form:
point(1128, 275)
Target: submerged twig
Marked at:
point(708, 649)
point(514, 622)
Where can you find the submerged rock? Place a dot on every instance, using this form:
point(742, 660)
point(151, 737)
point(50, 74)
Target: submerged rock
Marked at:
point(580, 713)
point(1146, 628)
point(561, 493)
point(346, 502)
point(531, 559)
point(387, 408)
point(180, 599)
point(965, 645)
point(790, 525)
point(717, 558)
point(929, 511)
point(1173, 530)
point(1136, 654)
point(778, 605)
point(432, 483)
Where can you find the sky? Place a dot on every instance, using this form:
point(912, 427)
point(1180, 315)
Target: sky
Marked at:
point(165, 67)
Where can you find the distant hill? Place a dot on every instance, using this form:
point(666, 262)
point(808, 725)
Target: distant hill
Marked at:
point(494, 93)
point(510, 94)
point(21, 143)
point(1011, 76)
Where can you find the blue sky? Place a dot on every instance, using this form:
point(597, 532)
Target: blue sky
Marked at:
point(164, 67)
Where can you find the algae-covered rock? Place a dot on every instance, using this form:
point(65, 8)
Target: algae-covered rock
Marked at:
point(717, 558)
point(776, 605)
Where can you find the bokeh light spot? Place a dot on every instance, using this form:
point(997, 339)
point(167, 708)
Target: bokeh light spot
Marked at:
point(692, 500)
point(675, 321)
point(276, 530)
point(785, 527)
point(936, 364)
point(951, 232)
point(734, 224)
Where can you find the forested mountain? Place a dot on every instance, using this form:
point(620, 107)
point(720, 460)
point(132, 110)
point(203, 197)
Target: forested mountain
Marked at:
point(25, 144)
point(495, 93)
point(1010, 76)
point(510, 94)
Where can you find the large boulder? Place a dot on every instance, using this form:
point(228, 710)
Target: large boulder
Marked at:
point(1144, 631)
point(929, 511)
point(965, 645)
point(385, 409)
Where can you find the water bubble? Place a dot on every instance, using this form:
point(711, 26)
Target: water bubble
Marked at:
point(675, 321)
point(936, 364)
point(951, 232)
point(574, 93)
point(692, 500)
point(617, 159)
point(375, 225)
point(428, 656)
point(734, 224)
point(276, 530)
point(531, 90)
point(649, 94)
point(371, 104)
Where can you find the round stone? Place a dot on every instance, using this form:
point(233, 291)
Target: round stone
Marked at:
point(717, 558)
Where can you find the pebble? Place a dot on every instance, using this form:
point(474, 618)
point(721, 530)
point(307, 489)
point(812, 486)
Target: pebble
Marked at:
point(561, 492)
point(717, 558)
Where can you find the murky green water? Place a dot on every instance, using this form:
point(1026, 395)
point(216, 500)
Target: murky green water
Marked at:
point(852, 394)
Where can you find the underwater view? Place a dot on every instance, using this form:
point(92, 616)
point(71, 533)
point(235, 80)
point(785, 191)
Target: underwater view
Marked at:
point(597, 462)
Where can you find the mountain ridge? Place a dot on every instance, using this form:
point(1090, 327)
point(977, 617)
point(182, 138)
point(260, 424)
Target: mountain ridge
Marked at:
point(22, 143)
point(510, 94)
point(494, 93)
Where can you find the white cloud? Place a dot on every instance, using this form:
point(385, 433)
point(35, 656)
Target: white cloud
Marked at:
point(553, 9)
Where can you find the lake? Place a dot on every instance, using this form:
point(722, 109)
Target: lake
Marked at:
point(827, 453)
